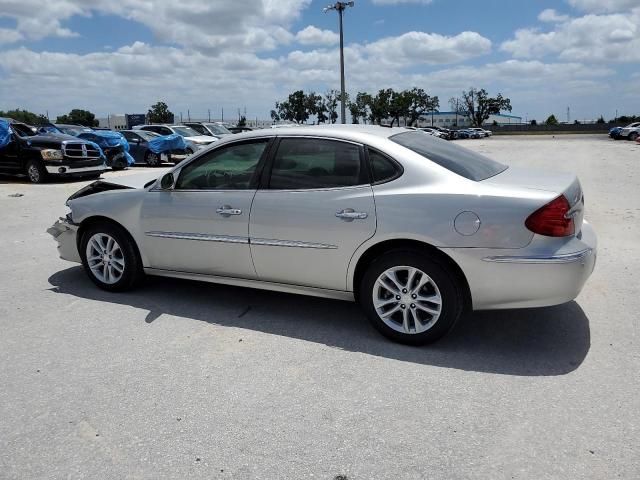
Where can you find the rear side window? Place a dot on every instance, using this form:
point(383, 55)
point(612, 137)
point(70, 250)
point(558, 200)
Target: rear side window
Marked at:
point(454, 158)
point(308, 163)
point(383, 169)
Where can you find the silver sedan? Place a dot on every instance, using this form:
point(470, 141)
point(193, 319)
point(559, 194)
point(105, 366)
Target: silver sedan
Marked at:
point(414, 228)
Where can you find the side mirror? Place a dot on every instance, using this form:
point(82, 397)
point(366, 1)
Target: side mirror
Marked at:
point(166, 182)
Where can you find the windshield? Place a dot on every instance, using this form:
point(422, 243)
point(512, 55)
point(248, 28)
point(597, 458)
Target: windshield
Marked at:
point(454, 158)
point(148, 135)
point(217, 129)
point(22, 130)
point(74, 131)
point(185, 131)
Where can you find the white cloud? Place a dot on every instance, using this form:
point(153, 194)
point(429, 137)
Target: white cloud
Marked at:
point(592, 38)
point(550, 15)
point(8, 35)
point(414, 48)
point(603, 6)
point(250, 25)
point(314, 36)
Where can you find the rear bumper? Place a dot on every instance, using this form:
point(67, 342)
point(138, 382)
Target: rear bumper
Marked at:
point(65, 232)
point(528, 277)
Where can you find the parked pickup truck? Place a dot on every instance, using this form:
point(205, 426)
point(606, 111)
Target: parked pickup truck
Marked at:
point(42, 155)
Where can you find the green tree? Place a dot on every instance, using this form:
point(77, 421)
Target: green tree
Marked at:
point(600, 120)
point(479, 106)
point(275, 117)
point(360, 108)
point(160, 113)
point(294, 108)
point(25, 116)
point(380, 106)
point(79, 117)
point(331, 99)
point(552, 120)
point(317, 106)
point(243, 121)
point(419, 103)
point(534, 122)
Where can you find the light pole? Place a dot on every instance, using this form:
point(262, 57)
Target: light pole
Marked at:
point(340, 7)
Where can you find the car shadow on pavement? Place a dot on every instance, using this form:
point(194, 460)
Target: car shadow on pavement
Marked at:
point(530, 342)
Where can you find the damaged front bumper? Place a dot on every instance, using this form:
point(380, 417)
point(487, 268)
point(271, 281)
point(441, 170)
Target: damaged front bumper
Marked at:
point(65, 232)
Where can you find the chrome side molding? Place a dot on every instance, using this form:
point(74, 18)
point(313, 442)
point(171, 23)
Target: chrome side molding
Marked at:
point(542, 259)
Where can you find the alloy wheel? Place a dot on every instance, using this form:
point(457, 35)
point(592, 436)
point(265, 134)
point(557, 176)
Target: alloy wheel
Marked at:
point(407, 300)
point(34, 173)
point(105, 258)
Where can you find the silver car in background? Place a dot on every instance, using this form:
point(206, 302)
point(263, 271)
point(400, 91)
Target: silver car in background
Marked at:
point(414, 228)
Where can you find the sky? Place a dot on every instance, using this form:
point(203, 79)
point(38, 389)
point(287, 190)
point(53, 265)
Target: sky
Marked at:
point(121, 56)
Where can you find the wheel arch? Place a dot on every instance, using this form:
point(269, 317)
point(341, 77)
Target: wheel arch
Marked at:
point(380, 248)
point(97, 219)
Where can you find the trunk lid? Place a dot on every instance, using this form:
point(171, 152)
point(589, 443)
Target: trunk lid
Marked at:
point(558, 183)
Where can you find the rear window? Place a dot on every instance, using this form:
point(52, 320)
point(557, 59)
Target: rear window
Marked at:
point(454, 158)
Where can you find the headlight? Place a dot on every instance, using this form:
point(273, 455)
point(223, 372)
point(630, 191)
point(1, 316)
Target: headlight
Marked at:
point(51, 155)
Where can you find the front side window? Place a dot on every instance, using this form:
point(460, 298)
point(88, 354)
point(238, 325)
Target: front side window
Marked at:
point(130, 136)
point(308, 163)
point(227, 168)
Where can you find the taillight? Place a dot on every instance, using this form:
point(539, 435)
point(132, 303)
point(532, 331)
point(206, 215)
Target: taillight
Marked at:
point(552, 219)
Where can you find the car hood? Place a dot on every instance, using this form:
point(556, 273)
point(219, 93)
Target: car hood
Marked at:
point(202, 139)
point(137, 180)
point(125, 182)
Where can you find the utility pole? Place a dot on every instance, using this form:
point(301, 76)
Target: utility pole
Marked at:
point(568, 115)
point(456, 112)
point(340, 7)
point(188, 115)
point(209, 112)
point(223, 114)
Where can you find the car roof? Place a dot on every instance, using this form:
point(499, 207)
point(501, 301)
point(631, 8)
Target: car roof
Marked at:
point(347, 132)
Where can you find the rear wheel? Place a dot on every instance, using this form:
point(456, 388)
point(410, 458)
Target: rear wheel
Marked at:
point(410, 298)
point(110, 258)
point(633, 136)
point(36, 171)
point(152, 159)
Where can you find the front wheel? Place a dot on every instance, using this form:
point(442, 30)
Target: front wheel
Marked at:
point(152, 159)
point(110, 258)
point(36, 172)
point(410, 298)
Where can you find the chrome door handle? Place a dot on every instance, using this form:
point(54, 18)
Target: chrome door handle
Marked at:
point(226, 211)
point(349, 214)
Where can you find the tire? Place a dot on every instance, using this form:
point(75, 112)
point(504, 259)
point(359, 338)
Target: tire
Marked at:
point(420, 321)
point(152, 159)
point(124, 272)
point(633, 136)
point(36, 173)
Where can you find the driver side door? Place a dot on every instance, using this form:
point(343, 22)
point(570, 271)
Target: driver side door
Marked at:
point(202, 224)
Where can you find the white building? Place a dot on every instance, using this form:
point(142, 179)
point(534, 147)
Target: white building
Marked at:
point(451, 119)
point(113, 122)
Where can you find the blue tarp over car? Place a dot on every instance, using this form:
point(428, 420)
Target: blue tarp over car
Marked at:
point(5, 133)
point(167, 143)
point(108, 139)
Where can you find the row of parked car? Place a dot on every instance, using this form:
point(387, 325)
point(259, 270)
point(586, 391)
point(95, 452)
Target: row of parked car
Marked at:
point(449, 134)
point(74, 150)
point(630, 132)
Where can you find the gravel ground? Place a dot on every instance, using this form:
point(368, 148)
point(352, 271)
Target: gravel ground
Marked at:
point(188, 380)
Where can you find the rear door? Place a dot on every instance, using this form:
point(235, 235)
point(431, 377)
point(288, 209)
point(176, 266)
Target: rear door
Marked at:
point(315, 209)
